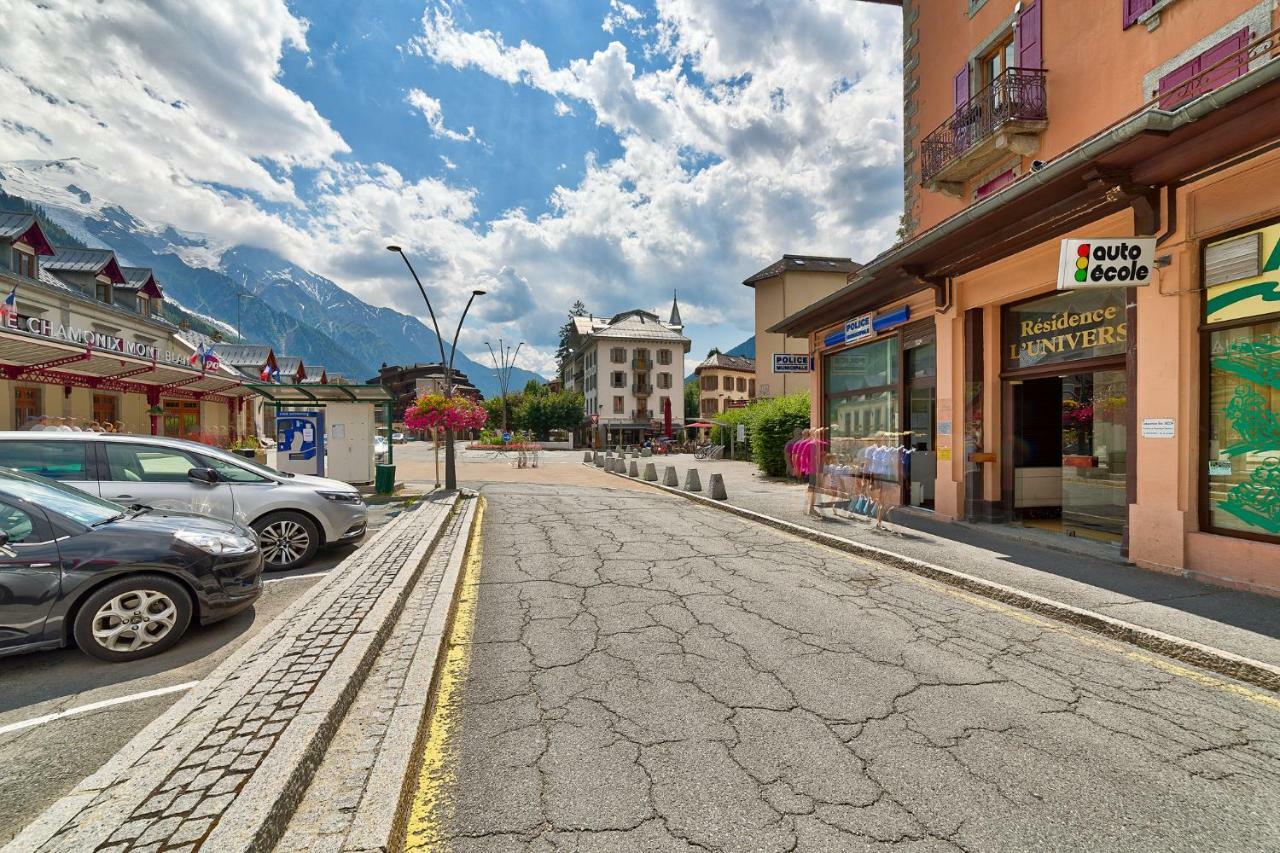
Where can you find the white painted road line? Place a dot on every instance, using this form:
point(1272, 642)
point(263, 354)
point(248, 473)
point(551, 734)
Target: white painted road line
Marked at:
point(94, 706)
point(296, 577)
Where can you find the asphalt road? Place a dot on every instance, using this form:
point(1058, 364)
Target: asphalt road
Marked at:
point(40, 763)
point(643, 674)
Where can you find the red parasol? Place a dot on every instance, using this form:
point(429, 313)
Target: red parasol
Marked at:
point(666, 417)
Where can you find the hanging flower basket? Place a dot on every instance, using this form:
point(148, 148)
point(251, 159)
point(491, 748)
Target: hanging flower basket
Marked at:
point(436, 411)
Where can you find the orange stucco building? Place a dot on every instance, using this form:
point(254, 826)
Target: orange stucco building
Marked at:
point(1147, 416)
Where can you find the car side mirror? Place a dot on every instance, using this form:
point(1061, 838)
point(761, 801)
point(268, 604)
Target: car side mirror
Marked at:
point(208, 476)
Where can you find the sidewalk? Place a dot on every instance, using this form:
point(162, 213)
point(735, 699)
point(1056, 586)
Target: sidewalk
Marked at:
point(225, 768)
point(1087, 575)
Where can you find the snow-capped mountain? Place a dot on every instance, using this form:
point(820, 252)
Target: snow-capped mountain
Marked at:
point(271, 299)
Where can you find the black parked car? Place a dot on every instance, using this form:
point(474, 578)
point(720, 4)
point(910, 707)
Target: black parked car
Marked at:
point(120, 582)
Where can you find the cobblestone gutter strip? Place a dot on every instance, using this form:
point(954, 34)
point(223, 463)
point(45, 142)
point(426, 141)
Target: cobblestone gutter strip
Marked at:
point(264, 713)
point(352, 801)
point(1188, 651)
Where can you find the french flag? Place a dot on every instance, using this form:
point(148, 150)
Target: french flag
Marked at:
point(197, 357)
point(265, 373)
point(9, 308)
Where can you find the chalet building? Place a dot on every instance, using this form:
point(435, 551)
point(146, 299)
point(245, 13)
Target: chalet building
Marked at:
point(725, 382)
point(408, 383)
point(84, 343)
point(1081, 330)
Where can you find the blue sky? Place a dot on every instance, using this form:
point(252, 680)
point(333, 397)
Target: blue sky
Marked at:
point(546, 150)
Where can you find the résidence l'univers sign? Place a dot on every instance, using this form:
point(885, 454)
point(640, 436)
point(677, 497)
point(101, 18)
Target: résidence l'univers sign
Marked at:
point(100, 341)
point(1068, 334)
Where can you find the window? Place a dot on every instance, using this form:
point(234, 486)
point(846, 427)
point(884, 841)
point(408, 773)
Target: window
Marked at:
point(861, 390)
point(664, 380)
point(619, 405)
point(104, 408)
point(664, 356)
point(57, 460)
point(145, 463)
point(1135, 9)
point(742, 384)
point(618, 379)
point(642, 354)
point(710, 406)
point(1216, 67)
point(103, 292)
point(709, 382)
point(26, 406)
point(751, 388)
point(182, 419)
point(230, 471)
point(24, 263)
point(618, 355)
point(17, 524)
point(144, 305)
point(998, 60)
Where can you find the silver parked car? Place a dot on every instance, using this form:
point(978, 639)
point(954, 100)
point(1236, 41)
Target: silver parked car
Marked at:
point(294, 514)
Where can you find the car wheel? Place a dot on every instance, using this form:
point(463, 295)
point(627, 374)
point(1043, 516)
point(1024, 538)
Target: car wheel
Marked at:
point(132, 618)
point(287, 539)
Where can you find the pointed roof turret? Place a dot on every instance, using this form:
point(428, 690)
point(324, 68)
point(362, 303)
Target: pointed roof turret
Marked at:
point(675, 312)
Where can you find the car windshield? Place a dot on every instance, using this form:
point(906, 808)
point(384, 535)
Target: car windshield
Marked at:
point(59, 498)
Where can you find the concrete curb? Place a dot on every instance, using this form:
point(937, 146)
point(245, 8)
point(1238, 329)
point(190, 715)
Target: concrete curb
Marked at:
point(169, 738)
point(1226, 663)
point(390, 789)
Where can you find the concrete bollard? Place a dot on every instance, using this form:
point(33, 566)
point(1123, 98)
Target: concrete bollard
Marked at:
point(669, 478)
point(586, 457)
point(692, 483)
point(619, 466)
point(600, 460)
point(716, 485)
point(650, 472)
point(634, 470)
point(646, 453)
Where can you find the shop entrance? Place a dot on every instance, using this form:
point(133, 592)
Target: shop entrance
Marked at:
point(1070, 453)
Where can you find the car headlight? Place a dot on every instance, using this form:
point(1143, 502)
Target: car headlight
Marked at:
point(342, 497)
point(217, 543)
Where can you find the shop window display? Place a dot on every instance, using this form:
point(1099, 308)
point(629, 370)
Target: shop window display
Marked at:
point(1244, 429)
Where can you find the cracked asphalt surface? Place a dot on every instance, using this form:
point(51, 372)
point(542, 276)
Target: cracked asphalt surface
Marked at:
point(649, 675)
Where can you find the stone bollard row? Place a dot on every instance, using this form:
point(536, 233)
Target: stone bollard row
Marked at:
point(692, 483)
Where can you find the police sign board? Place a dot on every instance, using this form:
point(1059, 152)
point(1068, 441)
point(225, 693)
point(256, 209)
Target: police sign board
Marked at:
point(859, 328)
point(1088, 264)
point(785, 362)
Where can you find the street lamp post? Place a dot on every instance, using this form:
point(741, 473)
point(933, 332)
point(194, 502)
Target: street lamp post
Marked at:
point(450, 470)
point(503, 369)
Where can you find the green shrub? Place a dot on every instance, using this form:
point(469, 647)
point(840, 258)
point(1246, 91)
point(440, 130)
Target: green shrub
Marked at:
point(771, 423)
point(725, 435)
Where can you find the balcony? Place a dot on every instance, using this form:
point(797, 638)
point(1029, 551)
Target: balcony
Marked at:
point(1006, 117)
point(642, 415)
point(642, 389)
point(642, 364)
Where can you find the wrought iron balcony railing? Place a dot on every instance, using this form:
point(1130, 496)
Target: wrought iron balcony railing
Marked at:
point(642, 389)
point(642, 415)
point(1017, 95)
point(641, 363)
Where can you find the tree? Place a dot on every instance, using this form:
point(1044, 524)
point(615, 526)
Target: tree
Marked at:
point(692, 396)
point(541, 413)
point(566, 335)
point(534, 388)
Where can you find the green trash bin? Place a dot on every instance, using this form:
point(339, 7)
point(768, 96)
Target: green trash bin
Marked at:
point(384, 479)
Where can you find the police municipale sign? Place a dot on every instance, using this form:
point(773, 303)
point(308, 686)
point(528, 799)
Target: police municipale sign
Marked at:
point(1088, 264)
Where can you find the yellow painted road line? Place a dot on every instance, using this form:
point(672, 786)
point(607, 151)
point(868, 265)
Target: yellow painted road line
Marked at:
point(431, 808)
point(1082, 636)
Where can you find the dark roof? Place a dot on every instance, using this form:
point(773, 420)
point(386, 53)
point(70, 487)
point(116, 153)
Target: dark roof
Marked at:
point(244, 355)
point(15, 225)
point(92, 261)
point(803, 263)
point(143, 279)
point(727, 362)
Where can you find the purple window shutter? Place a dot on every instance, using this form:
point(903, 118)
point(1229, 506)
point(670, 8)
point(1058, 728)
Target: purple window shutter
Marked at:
point(1133, 9)
point(1232, 65)
point(1030, 40)
point(1174, 80)
point(962, 86)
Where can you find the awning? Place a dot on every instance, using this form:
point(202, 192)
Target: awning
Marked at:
point(293, 395)
point(1124, 166)
point(32, 358)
